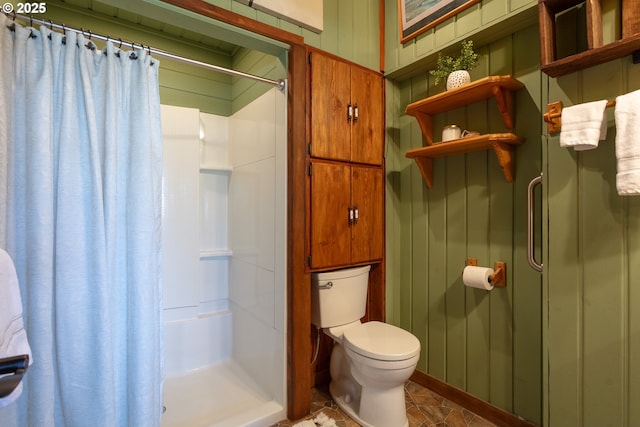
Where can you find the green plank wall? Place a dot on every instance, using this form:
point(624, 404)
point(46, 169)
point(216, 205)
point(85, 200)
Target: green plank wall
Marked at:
point(592, 268)
point(584, 370)
point(351, 28)
point(488, 344)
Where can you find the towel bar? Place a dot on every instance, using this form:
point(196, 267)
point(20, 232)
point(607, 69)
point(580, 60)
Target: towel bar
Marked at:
point(554, 114)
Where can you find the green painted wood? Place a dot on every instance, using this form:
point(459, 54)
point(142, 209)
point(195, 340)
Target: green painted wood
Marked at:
point(632, 255)
point(527, 283)
point(244, 91)
point(351, 31)
point(484, 23)
point(472, 340)
point(501, 248)
point(437, 287)
point(455, 247)
point(394, 160)
point(593, 363)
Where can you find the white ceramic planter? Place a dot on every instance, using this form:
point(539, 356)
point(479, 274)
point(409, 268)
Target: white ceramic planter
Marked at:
point(458, 78)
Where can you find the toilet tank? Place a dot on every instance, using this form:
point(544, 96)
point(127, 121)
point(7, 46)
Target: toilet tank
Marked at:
point(339, 297)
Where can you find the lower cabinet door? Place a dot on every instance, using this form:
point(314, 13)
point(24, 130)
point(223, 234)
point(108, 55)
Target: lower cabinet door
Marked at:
point(330, 204)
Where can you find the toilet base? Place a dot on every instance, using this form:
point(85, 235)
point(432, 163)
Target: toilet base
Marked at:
point(348, 407)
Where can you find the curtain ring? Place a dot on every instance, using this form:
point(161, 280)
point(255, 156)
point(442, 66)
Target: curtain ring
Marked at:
point(89, 34)
point(50, 25)
point(14, 15)
point(120, 45)
point(31, 21)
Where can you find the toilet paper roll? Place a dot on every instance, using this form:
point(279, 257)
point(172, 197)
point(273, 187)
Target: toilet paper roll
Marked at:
point(477, 277)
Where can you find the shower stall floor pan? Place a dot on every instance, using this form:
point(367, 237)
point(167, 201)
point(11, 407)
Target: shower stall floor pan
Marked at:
point(220, 395)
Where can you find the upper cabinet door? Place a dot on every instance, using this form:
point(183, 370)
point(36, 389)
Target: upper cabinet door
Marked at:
point(367, 131)
point(346, 111)
point(330, 97)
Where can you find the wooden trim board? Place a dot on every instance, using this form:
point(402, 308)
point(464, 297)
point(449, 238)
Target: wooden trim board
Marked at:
point(468, 401)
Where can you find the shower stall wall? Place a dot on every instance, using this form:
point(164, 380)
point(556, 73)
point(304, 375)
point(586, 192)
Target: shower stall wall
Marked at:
point(224, 224)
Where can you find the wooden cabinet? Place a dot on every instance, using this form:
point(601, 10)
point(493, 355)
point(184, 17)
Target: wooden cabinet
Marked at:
point(347, 214)
point(346, 110)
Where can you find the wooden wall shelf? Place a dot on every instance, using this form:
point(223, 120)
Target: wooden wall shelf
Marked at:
point(503, 144)
point(498, 87)
point(597, 53)
point(592, 57)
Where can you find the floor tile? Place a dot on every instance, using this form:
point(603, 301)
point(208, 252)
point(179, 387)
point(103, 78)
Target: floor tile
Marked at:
point(425, 408)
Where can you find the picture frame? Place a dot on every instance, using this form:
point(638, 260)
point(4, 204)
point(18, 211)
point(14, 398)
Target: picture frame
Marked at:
point(417, 16)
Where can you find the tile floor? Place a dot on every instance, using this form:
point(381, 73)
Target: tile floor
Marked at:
point(425, 408)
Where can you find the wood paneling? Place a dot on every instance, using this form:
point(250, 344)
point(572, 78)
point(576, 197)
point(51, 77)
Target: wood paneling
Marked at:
point(469, 336)
point(590, 268)
point(485, 22)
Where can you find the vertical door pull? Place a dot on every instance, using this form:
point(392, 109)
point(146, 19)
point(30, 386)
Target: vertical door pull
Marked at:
point(349, 112)
point(530, 240)
point(355, 217)
point(351, 215)
point(355, 113)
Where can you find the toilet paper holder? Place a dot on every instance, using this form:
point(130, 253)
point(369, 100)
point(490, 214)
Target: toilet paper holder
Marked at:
point(499, 278)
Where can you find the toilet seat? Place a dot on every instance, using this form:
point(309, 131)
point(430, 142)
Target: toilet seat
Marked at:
point(381, 341)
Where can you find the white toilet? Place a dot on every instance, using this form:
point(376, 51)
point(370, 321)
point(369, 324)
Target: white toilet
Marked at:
point(371, 361)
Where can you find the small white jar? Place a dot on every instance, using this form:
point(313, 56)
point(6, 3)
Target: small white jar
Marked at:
point(451, 132)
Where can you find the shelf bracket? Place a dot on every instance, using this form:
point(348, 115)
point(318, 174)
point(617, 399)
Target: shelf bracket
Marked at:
point(505, 154)
point(425, 165)
point(504, 100)
point(426, 126)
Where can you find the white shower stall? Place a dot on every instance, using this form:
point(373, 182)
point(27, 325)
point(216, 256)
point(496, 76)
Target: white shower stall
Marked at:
point(223, 257)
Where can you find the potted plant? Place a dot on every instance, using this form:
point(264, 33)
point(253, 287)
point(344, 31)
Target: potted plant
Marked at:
point(456, 70)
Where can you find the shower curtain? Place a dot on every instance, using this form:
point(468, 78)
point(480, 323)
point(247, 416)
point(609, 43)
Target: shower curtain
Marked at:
point(80, 201)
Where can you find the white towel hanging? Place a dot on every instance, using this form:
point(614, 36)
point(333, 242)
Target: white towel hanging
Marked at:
point(584, 125)
point(627, 116)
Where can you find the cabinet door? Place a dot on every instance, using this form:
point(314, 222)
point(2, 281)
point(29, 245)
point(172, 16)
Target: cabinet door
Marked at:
point(330, 93)
point(330, 202)
point(367, 234)
point(367, 132)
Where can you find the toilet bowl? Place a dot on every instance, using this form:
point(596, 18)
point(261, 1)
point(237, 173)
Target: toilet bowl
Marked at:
point(371, 361)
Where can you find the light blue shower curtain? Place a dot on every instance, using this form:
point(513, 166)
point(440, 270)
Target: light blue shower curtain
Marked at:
point(80, 188)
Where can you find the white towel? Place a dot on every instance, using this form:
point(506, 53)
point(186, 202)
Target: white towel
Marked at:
point(321, 420)
point(627, 117)
point(583, 125)
point(13, 338)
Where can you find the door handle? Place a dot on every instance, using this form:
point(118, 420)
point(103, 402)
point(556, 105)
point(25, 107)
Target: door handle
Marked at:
point(530, 241)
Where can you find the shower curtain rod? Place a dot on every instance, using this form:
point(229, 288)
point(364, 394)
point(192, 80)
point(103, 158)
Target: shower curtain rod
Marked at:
point(157, 52)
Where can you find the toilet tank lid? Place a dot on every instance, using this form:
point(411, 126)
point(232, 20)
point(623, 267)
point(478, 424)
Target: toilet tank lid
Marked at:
point(381, 341)
point(340, 274)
